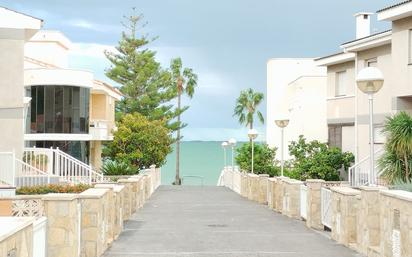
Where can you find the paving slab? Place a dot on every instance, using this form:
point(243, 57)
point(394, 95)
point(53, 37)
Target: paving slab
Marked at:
point(191, 221)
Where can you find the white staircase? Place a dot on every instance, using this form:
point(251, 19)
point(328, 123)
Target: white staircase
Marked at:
point(359, 173)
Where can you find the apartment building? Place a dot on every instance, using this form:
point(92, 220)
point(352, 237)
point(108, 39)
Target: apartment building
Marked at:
point(69, 109)
point(296, 90)
point(391, 52)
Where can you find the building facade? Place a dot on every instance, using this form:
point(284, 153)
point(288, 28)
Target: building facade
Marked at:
point(69, 109)
point(296, 90)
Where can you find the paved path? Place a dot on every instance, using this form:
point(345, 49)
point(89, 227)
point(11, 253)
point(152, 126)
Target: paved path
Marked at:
point(213, 221)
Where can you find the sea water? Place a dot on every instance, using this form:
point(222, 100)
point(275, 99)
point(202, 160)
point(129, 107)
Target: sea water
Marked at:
point(203, 159)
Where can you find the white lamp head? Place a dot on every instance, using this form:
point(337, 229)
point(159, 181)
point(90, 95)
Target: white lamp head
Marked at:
point(281, 123)
point(370, 80)
point(252, 134)
point(232, 141)
point(224, 144)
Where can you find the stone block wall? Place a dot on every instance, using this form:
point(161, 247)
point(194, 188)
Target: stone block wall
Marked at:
point(270, 195)
point(263, 189)
point(345, 207)
point(278, 194)
point(17, 242)
point(313, 203)
point(291, 198)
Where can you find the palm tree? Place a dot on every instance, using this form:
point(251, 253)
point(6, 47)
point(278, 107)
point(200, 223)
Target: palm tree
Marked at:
point(246, 107)
point(396, 162)
point(185, 81)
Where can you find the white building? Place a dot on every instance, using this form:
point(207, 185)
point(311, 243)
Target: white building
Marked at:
point(296, 89)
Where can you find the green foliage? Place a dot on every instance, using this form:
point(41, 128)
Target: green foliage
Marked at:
point(146, 86)
point(246, 107)
point(139, 142)
point(117, 168)
point(396, 162)
point(45, 189)
point(264, 159)
point(401, 185)
point(315, 160)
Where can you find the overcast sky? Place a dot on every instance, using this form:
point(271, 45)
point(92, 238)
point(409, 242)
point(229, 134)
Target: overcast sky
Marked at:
point(226, 42)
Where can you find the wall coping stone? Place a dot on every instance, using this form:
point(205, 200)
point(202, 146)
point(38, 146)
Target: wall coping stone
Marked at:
point(60, 197)
point(21, 197)
point(263, 175)
point(399, 194)
point(94, 193)
point(372, 188)
point(315, 181)
point(293, 181)
point(11, 225)
point(272, 179)
point(126, 181)
point(345, 190)
point(116, 188)
point(252, 175)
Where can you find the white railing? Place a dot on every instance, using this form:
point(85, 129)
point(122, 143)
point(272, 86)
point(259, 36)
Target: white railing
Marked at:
point(100, 130)
point(326, 207)
point(303, 201)
point(230, 178)
point(7, 168)
point(66, 167)
point(39, 237)
point(28, 175)
point(359, 173)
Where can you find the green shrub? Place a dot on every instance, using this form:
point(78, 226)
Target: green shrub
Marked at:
point(45, 189)
point(264, 159)
point(399, 184)
point(315, 160)
point(118, 168)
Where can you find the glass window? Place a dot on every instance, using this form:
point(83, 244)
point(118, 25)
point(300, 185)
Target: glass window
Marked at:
point(372, 62)
point(410, 46)
point(340, 89)
point(77, 149)
point(58, 110)
point(335, 136)
point(49, 110)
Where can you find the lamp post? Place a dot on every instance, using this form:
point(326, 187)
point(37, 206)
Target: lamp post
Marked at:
point(370, 81)
point(252, 134)
point(282, 123)
point(232, 143)
point(224, 145)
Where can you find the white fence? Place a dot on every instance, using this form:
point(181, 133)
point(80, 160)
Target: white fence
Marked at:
point(39, 237)
point(359, 174)
point(303, 201)
point(7, 168)
point(230, 178)
point(326, 206)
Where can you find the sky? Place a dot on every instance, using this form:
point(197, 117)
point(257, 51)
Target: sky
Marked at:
point(226, 42)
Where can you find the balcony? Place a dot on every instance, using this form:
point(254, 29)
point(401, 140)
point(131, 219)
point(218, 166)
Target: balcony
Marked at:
point(101, 130)
point(341, 108)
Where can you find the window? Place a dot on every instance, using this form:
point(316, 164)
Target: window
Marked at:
point(372, 62)
point(410, 47)
point(340, 89)
point(335, 136)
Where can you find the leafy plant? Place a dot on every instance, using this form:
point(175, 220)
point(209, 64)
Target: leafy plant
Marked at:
point(264, 159)
point(117, 168)
point(139, 142)
point(53, 188)
point(396, 162)
point(401, 185)
point(246, 107)
point(315, 160)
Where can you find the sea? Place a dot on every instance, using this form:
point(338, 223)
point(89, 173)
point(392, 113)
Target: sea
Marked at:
point(198, 160)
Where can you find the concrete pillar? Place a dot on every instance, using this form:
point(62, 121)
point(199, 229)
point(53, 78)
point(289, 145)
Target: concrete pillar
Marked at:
point(369, 231)
point(244, 185)
point(314, 218)
point(345, 207)
point(291, 198)
point(253, 187)
point(278, 194)
point(127, 198)
point(263, 188)
point(271, 193)
point(63, 213)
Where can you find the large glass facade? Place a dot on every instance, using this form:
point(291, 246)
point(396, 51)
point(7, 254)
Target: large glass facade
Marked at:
point(77, 149)
point(58, 109)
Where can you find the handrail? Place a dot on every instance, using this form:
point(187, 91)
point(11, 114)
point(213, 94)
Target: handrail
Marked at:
point(194, 176)
point(359, 178)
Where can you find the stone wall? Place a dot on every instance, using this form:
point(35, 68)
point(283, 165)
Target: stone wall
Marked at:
point(86, 224)
point(291, 198)
point(16, 240)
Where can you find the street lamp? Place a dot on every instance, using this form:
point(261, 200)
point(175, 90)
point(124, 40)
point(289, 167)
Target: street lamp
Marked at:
point(252, 134)
point(370, 81)
point(232, 143)
point(224, 145)
point(282, 123)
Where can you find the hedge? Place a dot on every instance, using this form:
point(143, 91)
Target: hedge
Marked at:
point(45, 189)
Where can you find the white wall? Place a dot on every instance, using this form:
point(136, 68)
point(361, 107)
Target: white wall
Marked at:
point(295, 88)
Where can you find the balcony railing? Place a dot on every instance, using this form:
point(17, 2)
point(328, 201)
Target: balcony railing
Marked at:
point(101, 130)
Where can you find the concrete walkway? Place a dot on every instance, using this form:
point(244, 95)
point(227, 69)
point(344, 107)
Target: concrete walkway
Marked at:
point(214, 221)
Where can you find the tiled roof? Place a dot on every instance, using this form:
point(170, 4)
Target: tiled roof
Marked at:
point(367, 36)
point(393, 6)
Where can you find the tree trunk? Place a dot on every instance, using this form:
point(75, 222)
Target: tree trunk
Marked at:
point(250, 127)
point(406, 168)
point(177, 178)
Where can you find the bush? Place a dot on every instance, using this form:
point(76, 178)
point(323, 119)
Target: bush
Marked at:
point(45, 189)
point(116, 168)
point(264, 159)
point(315, 160)
point(139, 142)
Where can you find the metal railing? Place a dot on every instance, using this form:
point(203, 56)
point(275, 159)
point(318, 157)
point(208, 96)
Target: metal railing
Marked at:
point(28, 175)
point(359, 173)
point(58, 163)
point(326, 207)
point(303, 201)
point(193, 176)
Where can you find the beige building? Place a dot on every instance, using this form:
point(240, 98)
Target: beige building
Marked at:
point(390, 51)
point(296, 90)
